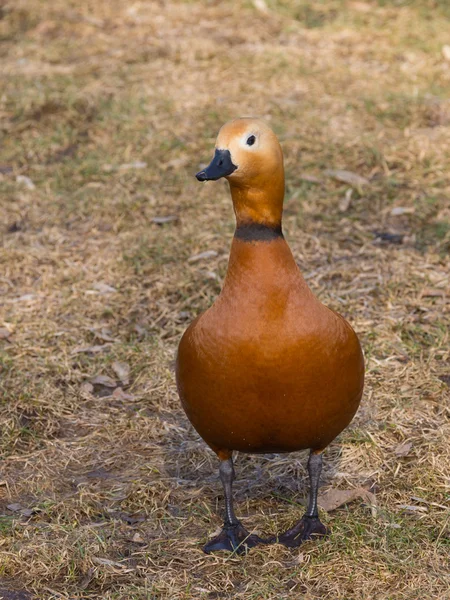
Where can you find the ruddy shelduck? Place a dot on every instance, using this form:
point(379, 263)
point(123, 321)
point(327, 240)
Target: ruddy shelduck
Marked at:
point(268, 367)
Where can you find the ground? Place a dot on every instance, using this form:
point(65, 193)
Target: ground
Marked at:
point(107, 110)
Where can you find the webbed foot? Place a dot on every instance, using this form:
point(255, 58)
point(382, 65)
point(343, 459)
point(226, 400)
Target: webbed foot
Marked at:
point(233, 538)
point(307, 528)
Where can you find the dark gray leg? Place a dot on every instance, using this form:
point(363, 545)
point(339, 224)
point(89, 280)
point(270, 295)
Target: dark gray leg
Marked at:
point(310, 525)
point(314, 470)
point(233, 537)
point(227, 476)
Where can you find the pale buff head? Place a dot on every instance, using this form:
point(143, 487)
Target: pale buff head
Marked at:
point(254, 149)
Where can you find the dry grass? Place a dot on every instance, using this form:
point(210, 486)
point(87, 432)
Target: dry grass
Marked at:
point(115, 493)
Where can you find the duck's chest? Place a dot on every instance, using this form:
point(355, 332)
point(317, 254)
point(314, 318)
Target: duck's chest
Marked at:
point(264, 338)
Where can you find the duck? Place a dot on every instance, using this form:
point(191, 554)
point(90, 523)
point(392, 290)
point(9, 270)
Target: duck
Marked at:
point(267, 368)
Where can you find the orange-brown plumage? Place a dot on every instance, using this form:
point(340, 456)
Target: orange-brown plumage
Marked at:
point(267, 368)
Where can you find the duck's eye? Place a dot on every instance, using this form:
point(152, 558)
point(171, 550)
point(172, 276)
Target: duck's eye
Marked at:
point(251, 140)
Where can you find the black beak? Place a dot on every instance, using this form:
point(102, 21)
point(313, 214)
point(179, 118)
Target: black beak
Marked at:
point(220, 166)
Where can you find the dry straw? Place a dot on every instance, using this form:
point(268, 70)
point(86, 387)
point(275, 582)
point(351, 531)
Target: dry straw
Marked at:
point(110, 247)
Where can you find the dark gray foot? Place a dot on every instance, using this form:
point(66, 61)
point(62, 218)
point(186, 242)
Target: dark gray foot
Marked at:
point(233, 538)
point(307, 528)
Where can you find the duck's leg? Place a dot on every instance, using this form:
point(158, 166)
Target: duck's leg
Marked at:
point(233, 537)
point(309, 525)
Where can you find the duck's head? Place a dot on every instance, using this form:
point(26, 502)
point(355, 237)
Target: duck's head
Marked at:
point(249, 156)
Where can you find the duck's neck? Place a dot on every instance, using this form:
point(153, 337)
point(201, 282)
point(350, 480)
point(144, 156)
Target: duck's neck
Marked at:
point(259, 252)
point(259, 267)
point(259, 207)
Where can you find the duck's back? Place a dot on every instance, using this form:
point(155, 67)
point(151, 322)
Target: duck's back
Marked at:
point(268, 368)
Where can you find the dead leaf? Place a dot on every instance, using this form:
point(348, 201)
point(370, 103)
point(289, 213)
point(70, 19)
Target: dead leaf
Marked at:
point(15, 507)
point(106, 561)
point(29, 512)
point(90, 349)
point(4, 333)
point(26, 181)
point(103, 288)
point(349, 177)
point(122, 370)
point(412, 508)
point(333, 499)
point(309, 178)
point(104, 334)
point(119, 394)
point(211, 275)
point(129, 519)
point(167, 219)
point(417, 499)
point(402, 210)
point(87, 578)
point(25, 298)
point(403, 449)
point(86, 387)
point(432, 293)
point(203, 255)
point(344, 203)
point(104, 380)
point(137, 538)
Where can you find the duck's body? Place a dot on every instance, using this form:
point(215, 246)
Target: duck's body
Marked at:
point(267, 368)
